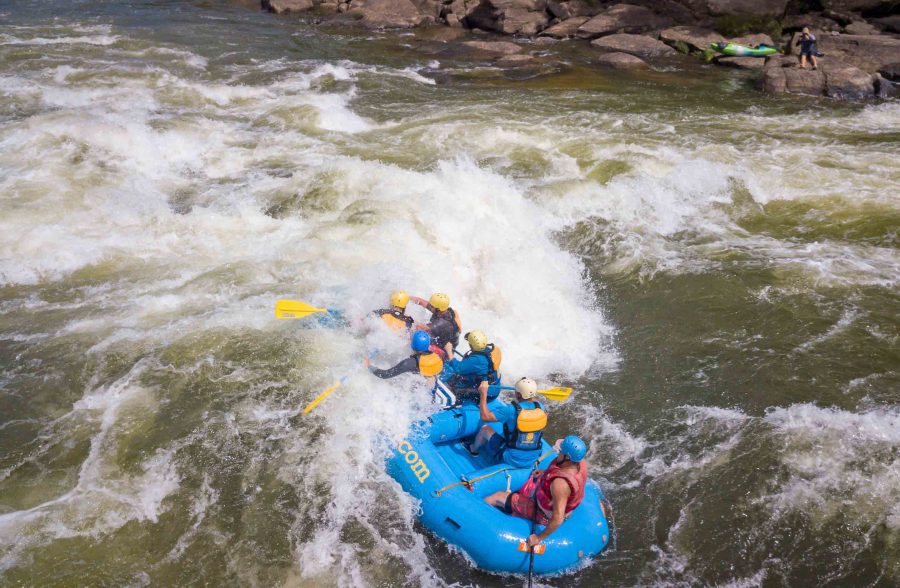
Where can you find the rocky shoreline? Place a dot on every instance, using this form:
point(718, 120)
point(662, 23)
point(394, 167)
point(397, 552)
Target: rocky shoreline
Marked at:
point(859, 39)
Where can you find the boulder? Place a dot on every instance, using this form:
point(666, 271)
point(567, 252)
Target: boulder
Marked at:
point(867, 52)
point(889, 23)
point(744, 8)
point(621, 18)
point(572, 8)
point(566, 28)
point(741, 62)
point(885, 89)
point(846, 82)
point(640, 45)
point(754, 40)
point(860, 28)
point(283, 6)
point(781, 61)
point(696, 38)
point(891, 72)
point(514, 21)
point(499, 47)
point(835, 79)
point(881, 6)
point(622, 61)
point(796, 22)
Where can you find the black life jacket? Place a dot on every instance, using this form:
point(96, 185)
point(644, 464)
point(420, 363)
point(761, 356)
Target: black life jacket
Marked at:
point(529, 429)
point(445, 328)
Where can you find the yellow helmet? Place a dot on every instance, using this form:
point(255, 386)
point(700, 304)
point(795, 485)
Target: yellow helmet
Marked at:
point(399, 298)
point(477, 340)
point(440, 301)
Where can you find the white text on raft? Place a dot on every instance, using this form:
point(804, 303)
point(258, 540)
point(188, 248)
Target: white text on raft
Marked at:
point(411, 457)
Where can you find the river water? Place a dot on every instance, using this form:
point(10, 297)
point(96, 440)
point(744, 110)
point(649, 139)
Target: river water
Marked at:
point(714, 271)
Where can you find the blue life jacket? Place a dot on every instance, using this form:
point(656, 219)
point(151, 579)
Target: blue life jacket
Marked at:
point(488, 371)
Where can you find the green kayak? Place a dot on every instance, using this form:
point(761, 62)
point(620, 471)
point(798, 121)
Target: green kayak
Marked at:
point(743, 50)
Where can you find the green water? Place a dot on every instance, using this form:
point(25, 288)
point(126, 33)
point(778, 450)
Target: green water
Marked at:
point(713, 270)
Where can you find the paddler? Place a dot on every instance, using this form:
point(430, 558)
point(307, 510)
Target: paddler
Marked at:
point(523, 421)
point(444, 324)
point(395, 315)
point(424, 360)
point(549, 496)
point(476, 370)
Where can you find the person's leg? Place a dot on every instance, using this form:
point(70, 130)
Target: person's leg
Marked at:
point(484, 435)
point(498, 499)
point(803, 61)
point(815, 63)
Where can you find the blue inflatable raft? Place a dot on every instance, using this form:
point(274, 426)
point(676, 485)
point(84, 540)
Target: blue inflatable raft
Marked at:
point(433, 466)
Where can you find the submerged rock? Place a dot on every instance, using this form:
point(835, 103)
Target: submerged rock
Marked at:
point(501, 47)
point(640, 45)
point(741, 62)
point(622, 61)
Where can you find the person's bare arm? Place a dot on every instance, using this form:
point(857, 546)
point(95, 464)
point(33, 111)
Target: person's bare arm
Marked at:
point(560, 491)
point(486, 414)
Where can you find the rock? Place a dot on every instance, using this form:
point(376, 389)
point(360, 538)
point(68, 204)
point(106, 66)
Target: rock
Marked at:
point(401, 14)
point(501, 47)
point(640, 45)
point(781, 61)
point(846, 82)
point(881, 6)
point(621, 18)
point(889, 23)
point(566, 28)
point(283, 6)
point(777, 80)
point(867, 52)
point(741, 62)
point(546, 41)
point(885, 89)
point(520, 21)
point(891, 72)
point(515, 60)
point(842, 18)
point(622, 61)
point(860, 28)
point(572, 8)
point(797, 22)
point(754, 40)
point(744, 8)
point(836, 80)
point(696, 38)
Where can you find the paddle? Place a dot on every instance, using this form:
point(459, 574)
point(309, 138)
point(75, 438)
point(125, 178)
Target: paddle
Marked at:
point(296, 309)
point(333, 387)
point(560, 393)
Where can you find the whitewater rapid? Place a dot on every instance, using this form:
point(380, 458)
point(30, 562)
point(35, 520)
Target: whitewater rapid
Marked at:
point(158, 197)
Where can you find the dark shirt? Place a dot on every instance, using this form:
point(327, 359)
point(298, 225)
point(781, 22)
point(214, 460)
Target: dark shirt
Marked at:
point(807, 44)
point(443, 327)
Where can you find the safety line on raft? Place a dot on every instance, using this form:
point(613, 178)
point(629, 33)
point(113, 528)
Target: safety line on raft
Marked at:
point(470, 483)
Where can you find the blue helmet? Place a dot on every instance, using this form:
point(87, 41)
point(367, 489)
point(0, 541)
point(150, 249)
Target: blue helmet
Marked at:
point(573, 448)
point(421, 341)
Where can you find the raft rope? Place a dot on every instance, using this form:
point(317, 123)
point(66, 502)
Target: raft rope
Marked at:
point(470, 484)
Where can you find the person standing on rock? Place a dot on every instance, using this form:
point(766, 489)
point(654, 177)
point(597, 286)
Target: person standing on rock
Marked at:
point(808, 49)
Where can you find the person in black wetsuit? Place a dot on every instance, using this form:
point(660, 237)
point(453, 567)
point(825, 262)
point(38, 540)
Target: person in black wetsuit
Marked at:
point(444, 325)
point(396, 316)
point(808, 49)
point(424, 360)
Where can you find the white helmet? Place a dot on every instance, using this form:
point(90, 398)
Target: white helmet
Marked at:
point(526, 388)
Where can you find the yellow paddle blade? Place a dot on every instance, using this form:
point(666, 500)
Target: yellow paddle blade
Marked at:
point(556, 393)
point(295, 309)
point(321, 397)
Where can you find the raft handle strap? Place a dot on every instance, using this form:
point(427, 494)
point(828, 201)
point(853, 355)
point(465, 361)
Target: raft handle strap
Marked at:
point(470, 484)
